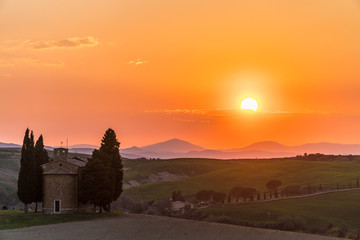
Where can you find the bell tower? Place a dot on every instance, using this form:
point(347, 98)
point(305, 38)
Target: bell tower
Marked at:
point(61, 154)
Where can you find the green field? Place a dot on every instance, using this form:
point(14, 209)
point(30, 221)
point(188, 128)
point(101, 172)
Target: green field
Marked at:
point(252, 173)
point(199, 174)
point(17, 219)
point(139, 169)
point(336, 208)
point(9, 170)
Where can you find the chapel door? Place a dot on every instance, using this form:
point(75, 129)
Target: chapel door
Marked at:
point(57, 206)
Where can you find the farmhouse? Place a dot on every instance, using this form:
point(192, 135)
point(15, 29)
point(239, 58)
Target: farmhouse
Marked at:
point(61, 184)
point(178, 207)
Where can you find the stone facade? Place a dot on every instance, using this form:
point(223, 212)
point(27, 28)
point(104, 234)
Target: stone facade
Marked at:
point(61, 184)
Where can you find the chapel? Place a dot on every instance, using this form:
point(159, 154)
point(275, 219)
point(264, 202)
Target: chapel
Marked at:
point(61, 184)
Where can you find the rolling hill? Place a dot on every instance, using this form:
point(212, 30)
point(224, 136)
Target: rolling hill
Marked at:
point(9, 145)
point(176, 148)
point(9, 170)
point(269, 146)
point(224, 175)
point(157, 179)
point(173, 145)
point(318, 211)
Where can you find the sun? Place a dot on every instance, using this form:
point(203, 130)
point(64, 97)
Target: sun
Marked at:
point(249, 104)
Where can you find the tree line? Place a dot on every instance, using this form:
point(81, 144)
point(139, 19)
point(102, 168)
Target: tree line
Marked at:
point(238, 193)
point(30, 175)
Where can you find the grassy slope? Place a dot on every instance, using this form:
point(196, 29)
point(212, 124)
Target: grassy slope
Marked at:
point(9, 170)
point(141, 169)
point(16, 219)
point(255, 173)
point(336, 208)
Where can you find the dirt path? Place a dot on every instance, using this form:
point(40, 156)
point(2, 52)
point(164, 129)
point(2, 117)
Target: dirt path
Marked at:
point(138, 227)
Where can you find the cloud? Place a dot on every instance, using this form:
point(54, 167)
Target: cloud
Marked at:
point(195, 116)
point(70, 43)
point(189, 111)
point(139, 61)
point(222, 112)
point(259, 123)
point(27, 61)
point(76, 42)
point(184, 120)
point(175, 111)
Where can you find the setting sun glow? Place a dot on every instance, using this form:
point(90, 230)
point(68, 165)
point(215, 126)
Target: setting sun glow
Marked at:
point(191, 63)
point(249, 104)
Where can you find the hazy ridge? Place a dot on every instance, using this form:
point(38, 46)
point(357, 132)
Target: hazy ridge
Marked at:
point(177, 148)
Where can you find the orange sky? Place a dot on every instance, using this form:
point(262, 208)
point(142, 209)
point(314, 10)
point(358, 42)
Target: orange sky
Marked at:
point(160, 69)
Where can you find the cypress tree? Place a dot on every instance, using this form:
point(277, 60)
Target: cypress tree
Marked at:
point(89, 182)
point(110, 155)
point(103, 185)
point(41, 157)
point(101, 178)
point(27, 175)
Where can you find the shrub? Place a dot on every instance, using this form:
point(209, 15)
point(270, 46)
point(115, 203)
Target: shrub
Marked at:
point(343, 230)
point(137, 208)
point(317, 228)
point(273, 184)
point(330, 225)
point(204, 195)
point(290, 223)
point(123, 203)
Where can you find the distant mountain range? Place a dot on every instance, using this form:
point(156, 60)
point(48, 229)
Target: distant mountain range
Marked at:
point(176, 148)
point(174, 145)
point(9, 145)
